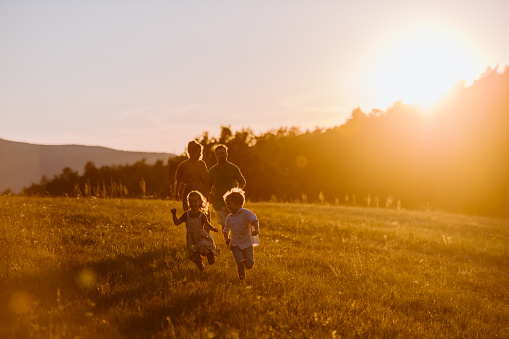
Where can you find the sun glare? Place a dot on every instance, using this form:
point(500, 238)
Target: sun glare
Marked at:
point(421, 65)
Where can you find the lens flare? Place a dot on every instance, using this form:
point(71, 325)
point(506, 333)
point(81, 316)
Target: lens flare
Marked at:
point(21, 302)
point(301, 161)
point(86, 278)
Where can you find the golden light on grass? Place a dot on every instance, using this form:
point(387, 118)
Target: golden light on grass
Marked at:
point(323, 271)
point(21, 302)
point(86, 278)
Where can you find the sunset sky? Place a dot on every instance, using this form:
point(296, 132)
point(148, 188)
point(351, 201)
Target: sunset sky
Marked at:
point(152, 75)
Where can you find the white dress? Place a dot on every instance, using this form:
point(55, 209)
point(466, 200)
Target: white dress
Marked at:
point(197, 238)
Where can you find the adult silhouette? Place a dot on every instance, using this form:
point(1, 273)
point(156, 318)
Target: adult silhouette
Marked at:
point(224, 176)
point(192, 174)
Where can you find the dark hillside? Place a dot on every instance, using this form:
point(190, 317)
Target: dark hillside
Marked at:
point(22, 164)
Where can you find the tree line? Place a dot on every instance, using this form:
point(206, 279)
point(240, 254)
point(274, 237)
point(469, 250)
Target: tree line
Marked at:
point(454, 157)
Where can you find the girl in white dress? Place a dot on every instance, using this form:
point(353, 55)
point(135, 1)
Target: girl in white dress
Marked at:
point(199, 243)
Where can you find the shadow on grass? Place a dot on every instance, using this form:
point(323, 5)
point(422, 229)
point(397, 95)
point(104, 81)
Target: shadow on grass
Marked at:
point(160, 317)
point(112, 288)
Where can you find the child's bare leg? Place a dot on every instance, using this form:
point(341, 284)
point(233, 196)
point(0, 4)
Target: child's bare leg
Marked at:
point(211, 257)
point(199, 262)
point(241, 262)
point(249, 256)
point(241, 270)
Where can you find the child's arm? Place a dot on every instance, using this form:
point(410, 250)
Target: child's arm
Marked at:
point(225, 234)
point(207, 224)
point(211, 227)
point(176, 221)
point(257, 228)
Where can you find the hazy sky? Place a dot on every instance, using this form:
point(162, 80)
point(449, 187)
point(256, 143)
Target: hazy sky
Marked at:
point(152, 75)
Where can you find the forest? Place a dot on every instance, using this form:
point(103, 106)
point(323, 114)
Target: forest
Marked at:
point(454, 157)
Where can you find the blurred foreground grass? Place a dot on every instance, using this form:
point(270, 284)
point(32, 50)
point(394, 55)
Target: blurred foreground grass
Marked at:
point(93, 268)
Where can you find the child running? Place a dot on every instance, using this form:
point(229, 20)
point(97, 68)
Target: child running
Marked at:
point(199, 243)
point(240, 231)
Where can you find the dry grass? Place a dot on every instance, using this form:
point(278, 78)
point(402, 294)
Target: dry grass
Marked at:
point(101, 268)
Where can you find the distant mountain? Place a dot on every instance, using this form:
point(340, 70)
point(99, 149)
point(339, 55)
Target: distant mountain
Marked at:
point(22, 164)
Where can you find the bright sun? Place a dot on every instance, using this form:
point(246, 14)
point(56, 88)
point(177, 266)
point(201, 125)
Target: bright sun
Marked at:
point(420, 65)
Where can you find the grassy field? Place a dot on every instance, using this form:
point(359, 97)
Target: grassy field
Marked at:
point(93, 268)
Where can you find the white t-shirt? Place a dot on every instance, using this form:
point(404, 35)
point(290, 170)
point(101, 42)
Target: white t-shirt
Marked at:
point(241, 226)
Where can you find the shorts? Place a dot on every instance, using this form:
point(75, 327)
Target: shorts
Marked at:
point(246, 254)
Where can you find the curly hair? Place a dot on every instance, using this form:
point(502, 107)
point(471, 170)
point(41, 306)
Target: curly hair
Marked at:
point(204, 205)
point(235, 194)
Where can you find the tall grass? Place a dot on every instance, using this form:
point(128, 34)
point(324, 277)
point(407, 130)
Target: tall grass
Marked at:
point(111, 268)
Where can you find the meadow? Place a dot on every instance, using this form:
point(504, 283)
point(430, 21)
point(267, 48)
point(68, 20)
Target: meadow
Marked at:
point(112, 268)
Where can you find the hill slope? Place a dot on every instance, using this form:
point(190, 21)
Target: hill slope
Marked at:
point(22, 164)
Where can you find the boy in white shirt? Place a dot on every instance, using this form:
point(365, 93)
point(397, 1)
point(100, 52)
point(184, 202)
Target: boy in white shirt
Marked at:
point(240, 231)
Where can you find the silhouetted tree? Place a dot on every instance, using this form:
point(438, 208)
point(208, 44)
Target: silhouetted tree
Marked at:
point(456, 157)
